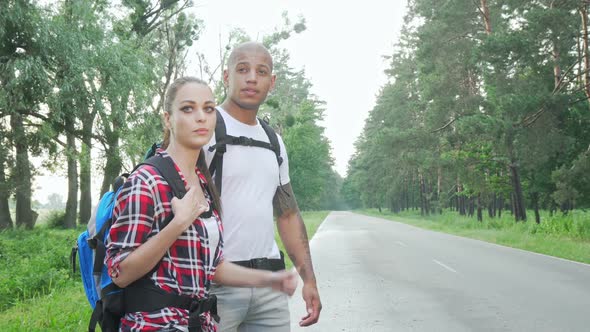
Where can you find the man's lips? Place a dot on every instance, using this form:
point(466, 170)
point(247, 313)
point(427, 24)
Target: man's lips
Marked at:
point(250, 92)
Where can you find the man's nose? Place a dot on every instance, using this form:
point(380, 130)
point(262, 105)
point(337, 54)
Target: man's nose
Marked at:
point(251, 76)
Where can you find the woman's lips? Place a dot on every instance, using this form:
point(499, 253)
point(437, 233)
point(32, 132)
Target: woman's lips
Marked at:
point(202, 131)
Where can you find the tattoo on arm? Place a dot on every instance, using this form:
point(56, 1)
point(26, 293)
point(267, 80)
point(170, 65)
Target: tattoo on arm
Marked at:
point(284, 202)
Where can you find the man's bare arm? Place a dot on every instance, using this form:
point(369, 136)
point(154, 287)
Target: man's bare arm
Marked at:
point(294, 235)
point(292, 231)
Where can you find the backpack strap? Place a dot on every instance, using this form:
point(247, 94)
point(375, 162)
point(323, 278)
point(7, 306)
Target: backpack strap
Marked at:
point(165, 167)
point(216, 166)
point(273, 139)
point(222, 139)
point(143, 295)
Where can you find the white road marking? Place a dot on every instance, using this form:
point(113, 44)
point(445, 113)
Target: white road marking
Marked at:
point(445, 266)
point(401, 243)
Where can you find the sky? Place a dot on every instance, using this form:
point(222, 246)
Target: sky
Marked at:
point(341, 51)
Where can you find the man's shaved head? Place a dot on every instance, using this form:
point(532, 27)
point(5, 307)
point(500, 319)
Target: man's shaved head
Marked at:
point(248, 47)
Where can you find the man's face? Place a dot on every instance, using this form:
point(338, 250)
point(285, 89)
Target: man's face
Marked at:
point(249, 78)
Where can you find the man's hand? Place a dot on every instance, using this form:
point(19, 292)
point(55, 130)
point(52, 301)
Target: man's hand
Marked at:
point(311, 296)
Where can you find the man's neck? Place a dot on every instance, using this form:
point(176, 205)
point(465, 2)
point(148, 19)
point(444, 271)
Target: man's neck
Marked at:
point(243, 115)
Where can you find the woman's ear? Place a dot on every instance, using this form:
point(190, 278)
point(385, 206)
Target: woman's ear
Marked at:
point(166, 119)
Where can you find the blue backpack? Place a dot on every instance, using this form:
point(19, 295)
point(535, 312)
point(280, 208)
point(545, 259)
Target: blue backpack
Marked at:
point(110, 302)
point(95, 279)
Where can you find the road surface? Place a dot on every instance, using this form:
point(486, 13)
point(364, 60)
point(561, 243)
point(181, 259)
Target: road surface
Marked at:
point(379, 275)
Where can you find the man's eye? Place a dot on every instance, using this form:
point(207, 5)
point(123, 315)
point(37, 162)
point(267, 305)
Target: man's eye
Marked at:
point(242, 70)
point(262, 72)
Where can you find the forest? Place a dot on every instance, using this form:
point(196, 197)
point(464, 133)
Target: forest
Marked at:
point(485, 112)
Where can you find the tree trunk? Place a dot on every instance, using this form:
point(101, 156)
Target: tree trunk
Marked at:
point(479, 210)
point(25, 216)
point(5, 218)
point(85, 178)
point(492, 206)
point(556, 58)
point(439, 189)
point(461, 198)
point(500, 206)
point(485, 13)
point(113, 165)
point(421, 189)
point(72, 201)
point(535, 198)
point(586, 68)
point(519, 208)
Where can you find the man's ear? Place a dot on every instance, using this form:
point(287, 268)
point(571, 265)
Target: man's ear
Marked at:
point(272, 82)
point(225, 77)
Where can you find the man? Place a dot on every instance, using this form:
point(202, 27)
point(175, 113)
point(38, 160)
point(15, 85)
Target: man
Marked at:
point(253, 187)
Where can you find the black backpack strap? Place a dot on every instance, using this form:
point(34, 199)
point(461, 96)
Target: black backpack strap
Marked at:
point(275, 146)
point(216, 166)
point(273, 139)
point(165, 167)
point(143, 295)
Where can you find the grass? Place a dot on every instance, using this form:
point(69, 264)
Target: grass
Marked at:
point(560, 236)
point(59, 304)
point(312, 220)
point(63, 309)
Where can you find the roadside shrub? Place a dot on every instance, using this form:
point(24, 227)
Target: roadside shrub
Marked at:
point(33, 262)
point(56, 219)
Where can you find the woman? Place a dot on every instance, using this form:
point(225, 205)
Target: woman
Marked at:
point(186, 255)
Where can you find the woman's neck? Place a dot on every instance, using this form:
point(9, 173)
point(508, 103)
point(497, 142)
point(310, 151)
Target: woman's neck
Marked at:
point(185, 158)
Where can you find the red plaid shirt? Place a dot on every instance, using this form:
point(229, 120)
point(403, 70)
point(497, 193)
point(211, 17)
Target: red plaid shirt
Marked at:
point(189, 264)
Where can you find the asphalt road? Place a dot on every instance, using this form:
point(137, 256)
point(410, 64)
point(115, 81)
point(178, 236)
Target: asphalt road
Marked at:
point(379, 275)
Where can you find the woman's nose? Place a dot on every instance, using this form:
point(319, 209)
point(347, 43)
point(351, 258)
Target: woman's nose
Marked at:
point(200, 115)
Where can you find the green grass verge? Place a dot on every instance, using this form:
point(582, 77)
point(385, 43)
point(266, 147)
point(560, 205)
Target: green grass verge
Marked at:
point(62, 304)
point(63, 309)
point(312, 220)
point(560, 236)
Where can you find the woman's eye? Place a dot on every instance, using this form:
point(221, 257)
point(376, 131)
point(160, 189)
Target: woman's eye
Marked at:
point(209, 109)
point(186, 109)
point(262, 72)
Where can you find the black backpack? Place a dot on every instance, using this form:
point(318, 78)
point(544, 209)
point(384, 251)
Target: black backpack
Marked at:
point(222, 139)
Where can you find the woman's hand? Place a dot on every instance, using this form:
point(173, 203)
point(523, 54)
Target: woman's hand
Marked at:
point(284, 281)
point(187, 209)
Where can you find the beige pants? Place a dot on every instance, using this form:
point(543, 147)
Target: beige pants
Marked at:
point(251, 309)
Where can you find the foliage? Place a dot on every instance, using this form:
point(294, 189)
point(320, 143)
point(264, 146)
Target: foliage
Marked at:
point(34, 263)
point(481, 112)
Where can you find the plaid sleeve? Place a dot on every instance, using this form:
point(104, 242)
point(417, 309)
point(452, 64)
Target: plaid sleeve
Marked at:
point(133, 216)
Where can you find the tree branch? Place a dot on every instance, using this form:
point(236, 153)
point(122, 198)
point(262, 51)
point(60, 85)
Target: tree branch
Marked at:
point(445, 126)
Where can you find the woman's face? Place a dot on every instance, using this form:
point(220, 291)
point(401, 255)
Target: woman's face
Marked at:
point(192, 120)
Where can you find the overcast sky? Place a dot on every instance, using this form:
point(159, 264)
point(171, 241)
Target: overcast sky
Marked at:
point(341, 51)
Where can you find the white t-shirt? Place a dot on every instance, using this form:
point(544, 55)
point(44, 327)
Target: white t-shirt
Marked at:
point(250, 180)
